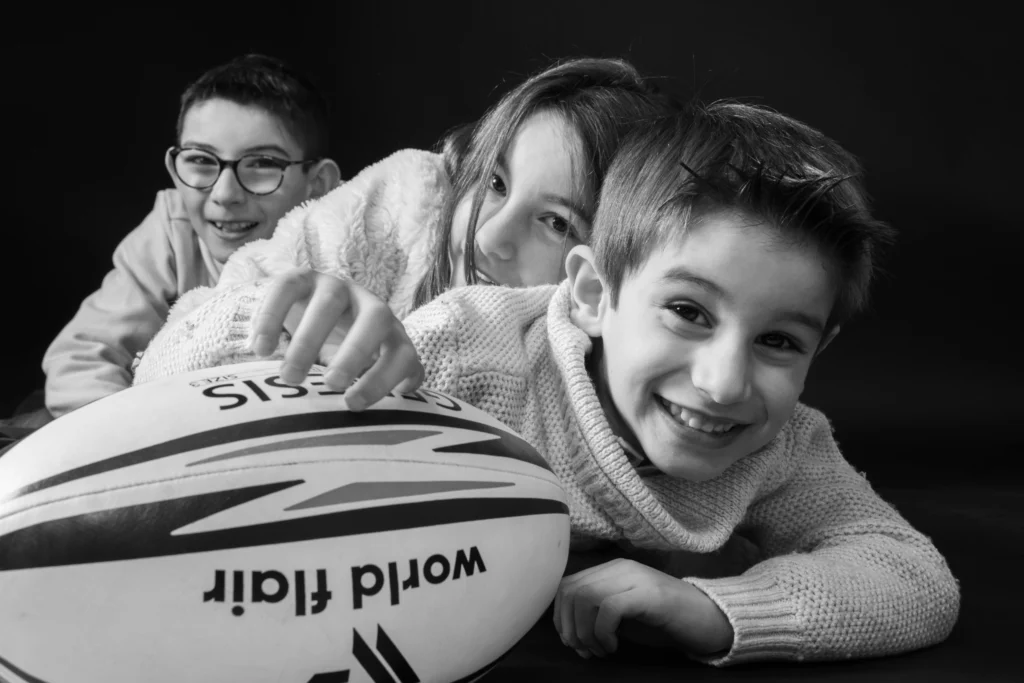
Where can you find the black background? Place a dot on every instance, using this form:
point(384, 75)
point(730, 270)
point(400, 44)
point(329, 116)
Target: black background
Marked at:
point(926, 385)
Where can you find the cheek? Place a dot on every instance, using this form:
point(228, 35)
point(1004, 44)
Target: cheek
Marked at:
point(194, 201)
point(460, 222)
point(780, 389)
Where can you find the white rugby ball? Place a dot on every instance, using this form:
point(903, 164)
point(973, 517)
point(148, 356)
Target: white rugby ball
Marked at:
point(223, 526)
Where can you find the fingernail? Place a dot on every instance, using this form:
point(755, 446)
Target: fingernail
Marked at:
point(290, 374)
point(337, 380)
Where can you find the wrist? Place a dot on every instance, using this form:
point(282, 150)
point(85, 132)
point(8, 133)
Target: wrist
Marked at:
point(710, 632)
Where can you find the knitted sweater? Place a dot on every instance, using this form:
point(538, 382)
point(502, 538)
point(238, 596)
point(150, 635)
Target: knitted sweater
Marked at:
point(154, 265)
point(377, 229)
point(845, 574)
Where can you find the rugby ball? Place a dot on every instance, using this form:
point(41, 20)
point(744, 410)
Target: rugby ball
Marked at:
point(223, 526)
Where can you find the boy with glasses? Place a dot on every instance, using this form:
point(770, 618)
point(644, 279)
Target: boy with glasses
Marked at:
point(252, 145)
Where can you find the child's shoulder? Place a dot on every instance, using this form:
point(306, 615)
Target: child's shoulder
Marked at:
point(166, 223)
point(805, 433)
point(171, 204)
point(485, 307)
point(407, 170)
point(805, 444)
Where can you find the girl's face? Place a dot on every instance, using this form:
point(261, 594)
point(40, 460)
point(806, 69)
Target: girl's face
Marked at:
point(532, 213)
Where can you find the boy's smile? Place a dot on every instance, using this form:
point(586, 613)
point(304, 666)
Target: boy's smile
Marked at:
point(226, 216)
point(704, 357)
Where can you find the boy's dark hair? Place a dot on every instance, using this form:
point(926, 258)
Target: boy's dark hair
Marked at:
point(600, 99)
point(268, 83)
point(729, 156)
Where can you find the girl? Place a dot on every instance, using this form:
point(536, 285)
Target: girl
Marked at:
point(501, 205)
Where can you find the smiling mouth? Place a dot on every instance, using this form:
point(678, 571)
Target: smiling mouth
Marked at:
point(712, 426)
point(483, 279)
point(234, 227)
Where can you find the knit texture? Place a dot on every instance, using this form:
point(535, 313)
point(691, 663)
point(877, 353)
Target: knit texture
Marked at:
point(376, 229)
point(845, 574)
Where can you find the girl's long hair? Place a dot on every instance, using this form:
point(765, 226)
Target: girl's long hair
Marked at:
point(600, 99)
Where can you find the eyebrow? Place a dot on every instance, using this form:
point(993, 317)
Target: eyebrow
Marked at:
point(679, 274)
point(259, 149)
point(552, 198)
point(567, 203)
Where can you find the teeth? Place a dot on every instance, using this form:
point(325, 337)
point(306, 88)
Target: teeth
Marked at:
point(695, 421)
point(484, 279)
point(234, 226)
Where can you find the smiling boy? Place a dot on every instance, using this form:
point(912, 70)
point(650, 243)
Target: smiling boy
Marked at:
point(662, 380)
point(252, 145)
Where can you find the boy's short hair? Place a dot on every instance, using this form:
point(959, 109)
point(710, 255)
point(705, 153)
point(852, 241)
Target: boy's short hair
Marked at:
point(268, 83)
point(729, 156)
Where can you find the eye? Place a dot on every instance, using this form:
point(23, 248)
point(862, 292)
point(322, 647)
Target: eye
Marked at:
point(691, 314)
point(780, 342)
point(497, 184)
point(264, 163)
point(199, 159)
point(559, 225)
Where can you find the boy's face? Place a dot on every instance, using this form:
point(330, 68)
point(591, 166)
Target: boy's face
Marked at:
point(706, 354)
point(226, 216)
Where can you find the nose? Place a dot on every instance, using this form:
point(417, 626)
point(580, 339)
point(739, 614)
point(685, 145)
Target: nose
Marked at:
point(498, 235)
point(227, 189)
point(721, 371)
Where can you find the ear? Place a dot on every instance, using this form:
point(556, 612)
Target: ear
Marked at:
point(169, 165)
point(321, 178)
point(587, 290)
point(826, 340)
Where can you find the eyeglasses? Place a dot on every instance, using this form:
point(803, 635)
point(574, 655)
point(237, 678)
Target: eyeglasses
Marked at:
point(258, 174)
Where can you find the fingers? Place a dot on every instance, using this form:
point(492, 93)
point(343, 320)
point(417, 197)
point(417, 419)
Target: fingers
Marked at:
point(375, 356)
point(372, 354)
point(397, 365)
point(586, 605)
point(610, 614)
point(284, 292)
point(590, 606)
point(328, 307)
point(587, 610)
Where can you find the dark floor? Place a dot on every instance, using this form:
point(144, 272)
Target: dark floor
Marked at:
point(978, 528)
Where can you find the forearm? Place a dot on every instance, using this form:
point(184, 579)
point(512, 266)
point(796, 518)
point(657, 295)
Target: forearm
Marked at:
point(80, 370)
point(218, 332)
point(864, 596)
point(92, 356)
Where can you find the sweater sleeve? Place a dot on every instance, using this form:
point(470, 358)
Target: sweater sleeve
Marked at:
point(375, 230)
point(846, 575)
point(92, 355)
point(219, 332)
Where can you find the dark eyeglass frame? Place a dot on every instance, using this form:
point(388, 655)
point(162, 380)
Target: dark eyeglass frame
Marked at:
point(233, 165)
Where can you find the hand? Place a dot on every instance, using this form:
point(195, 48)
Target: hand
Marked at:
point(326, 313)
point(591, 605)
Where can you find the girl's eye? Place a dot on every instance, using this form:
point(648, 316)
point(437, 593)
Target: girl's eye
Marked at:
point(497, 184)
point(691, 314)
point(559, 225)
point(779, 342)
